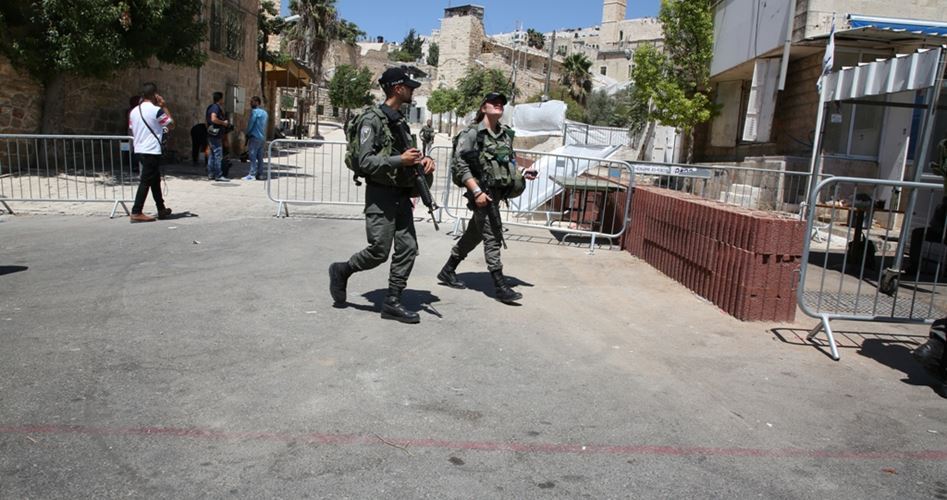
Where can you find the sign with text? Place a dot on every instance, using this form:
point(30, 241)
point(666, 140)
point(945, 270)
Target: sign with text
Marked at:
point(675, 170)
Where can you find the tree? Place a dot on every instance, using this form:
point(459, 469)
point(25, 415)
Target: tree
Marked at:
point(433, 54)
point(349, 32)
point(575, 75)
point(443, 101)
point(478, 82)
point(410, 50)
point(52, 39)
point(535, 39)
point(604, 110)
point(268, 24)
point(350, 88)
point(673, 85)
point(311, 35)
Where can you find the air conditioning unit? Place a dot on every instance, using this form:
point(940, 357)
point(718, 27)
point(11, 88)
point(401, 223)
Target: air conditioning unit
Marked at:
point(235, 100)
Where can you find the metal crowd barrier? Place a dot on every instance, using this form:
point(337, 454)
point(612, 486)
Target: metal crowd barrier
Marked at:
point(866, 261)
point(572, 196)
point(755, 188)
point(310, 172)
point(67, 168)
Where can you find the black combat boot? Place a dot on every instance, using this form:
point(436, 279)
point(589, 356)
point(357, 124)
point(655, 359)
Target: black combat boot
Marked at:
point(447, 276)
point(504, 293)
point(392, 309)
point(339, 273)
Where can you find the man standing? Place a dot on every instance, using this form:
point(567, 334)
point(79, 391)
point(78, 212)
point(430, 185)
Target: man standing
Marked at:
point(387, 160)
point(256, 135)
point(427, 137)
point(217, 124)
point(149, 121)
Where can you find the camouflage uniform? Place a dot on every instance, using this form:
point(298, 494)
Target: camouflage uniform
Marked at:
point(427, 137)
point(388, 208)
point(496, 153)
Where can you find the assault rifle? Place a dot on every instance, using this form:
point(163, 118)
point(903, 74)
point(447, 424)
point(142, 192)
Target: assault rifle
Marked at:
point(420, 182)
point(493, 208)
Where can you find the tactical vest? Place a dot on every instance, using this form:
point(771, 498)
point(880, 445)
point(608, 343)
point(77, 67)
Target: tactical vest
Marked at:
point(400, 177)
point(497, 163)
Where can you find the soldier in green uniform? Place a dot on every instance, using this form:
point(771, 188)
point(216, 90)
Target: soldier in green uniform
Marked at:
point(388, 162)
point(483, 163)
point(427, 137)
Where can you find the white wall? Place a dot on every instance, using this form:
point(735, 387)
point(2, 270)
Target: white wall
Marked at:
point(747, 29)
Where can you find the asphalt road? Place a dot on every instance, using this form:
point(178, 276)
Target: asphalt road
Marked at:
point(202, 358)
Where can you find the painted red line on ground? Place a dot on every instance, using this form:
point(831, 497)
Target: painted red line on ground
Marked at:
point(489, 446)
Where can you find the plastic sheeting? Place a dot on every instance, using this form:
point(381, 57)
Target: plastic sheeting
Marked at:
point(564, 161)
point(539, 118)
point(583, 133)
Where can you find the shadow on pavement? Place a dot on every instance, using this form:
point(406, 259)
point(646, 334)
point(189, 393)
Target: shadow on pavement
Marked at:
point(12, 269)
point(845, 339)
point(898, 357)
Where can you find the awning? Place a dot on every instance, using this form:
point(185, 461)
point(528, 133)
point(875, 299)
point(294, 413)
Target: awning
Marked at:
point(291, 74)
point(912, 26)
point(889, 76)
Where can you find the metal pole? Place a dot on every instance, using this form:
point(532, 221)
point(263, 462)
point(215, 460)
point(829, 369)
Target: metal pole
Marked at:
point(552, 49)
point(815, 165)
point(784, 67)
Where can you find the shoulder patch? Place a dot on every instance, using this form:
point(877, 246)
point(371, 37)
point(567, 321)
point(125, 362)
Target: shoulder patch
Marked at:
point(365, 133)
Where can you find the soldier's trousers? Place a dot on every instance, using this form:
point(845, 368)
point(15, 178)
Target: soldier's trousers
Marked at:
point(388, 219)
point(479, 229)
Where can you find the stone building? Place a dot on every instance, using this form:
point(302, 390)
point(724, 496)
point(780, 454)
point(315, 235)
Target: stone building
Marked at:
point(862, 139)
point(91, 106)
point(460, 41)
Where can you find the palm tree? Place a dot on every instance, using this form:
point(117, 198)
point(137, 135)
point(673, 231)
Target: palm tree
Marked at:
point(576, 75)
point(309, 38)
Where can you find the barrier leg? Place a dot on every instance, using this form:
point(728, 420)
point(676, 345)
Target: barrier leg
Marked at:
point(592, 245)
point(824, 325)
point(9, 210)
point(115, 208)
point(281, 209)
point(459, 227)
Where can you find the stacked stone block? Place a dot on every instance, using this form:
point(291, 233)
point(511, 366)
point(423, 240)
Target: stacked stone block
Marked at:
point(744, 261)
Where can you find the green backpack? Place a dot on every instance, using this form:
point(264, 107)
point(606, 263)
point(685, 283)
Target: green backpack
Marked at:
point(352, 138)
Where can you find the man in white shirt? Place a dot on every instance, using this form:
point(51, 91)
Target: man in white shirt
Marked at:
point(149, 121)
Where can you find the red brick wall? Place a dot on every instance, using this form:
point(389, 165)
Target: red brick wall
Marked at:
point(744, 261)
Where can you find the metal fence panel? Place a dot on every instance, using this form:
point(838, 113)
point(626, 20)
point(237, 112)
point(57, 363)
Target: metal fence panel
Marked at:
point(875, 252)
point(573, 196)
point(755, 188)
point(67, 168)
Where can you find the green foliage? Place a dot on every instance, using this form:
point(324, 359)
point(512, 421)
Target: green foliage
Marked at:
point(350, 88)
point(349, 32)
point(671, 87)
point(443, 100)
point(410, 50)
point(433, 54)
point(605, 110)
point(310, 36)
point(287, 102)
point(477, 83)
point(535, 39)
point(268, 24)
point(98, 37)
point(688, 41)
point(576, 75)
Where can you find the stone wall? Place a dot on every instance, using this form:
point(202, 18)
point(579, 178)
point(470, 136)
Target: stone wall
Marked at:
point(21, 100)
point(460, 41)
point(793, 119)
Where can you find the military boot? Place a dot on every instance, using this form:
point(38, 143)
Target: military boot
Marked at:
point(448, 276)
point(339, 273)
point(392, 309)
point(504, 293)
